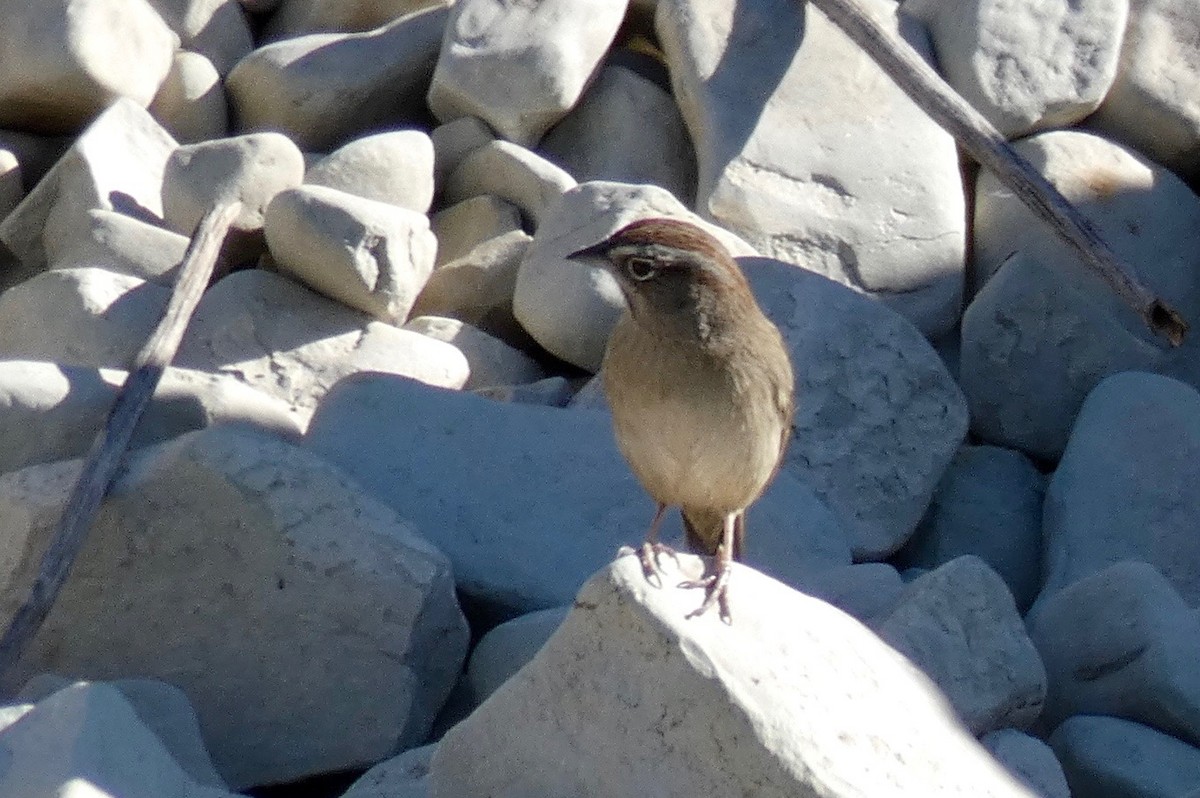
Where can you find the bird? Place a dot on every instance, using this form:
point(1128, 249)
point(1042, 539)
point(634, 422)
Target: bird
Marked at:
point(701, 389)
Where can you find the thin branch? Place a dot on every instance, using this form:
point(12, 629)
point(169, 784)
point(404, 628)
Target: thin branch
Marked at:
point(986, 145)
point(104, 459)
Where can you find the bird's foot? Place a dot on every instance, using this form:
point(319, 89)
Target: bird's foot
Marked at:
point(716, 591)
point(651, 565)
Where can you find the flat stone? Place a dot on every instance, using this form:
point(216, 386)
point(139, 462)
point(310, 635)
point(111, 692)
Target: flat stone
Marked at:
point(959, 625)
point(52, 411)
point(466, 225)
point(497, 483)
point(62, 63)
point(520, 67)
point(1112, 758)
point(879, 417)
point(191, 102)
point(1030, 760)
point(492, 361)
point(804, 176)
point(216, 29)
point(1121, 642)
point(988, 503)
point(87, 740)
point(82, 317)
point(627, 683)
point(286, 341)
point(119, 243)
point(1027, 65)
point(625, 129)
point(115, 164)
point(510, 172)
point(1152, 103)
point(570, 307)
point(321, 610)
point(394, 167)
point(369, 255)
point(325, 89)
point(250, 169)
point(1123, 489)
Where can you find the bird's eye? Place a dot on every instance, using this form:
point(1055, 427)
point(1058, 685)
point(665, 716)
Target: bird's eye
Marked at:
point(641, 269)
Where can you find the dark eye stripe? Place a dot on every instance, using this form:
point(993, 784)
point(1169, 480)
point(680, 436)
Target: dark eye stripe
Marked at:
point(641, 269)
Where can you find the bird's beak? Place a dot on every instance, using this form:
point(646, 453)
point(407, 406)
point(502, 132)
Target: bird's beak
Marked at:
point(597, 250)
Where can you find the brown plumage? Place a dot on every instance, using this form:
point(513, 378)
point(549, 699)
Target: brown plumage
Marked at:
point(700, 386)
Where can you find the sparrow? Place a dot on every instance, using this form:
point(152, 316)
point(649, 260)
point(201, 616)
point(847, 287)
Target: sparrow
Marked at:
point(701, 390)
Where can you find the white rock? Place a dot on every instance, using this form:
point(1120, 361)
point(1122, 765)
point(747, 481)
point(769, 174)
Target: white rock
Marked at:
point(1027, 65)
point(116, 163)
point(507, 648)
point(394, 167)
point(550, 391)
point(52, 411)
point(804, 175)
point(570, 307)
point(217, 29)
point(84, 317)
point(492, 361)
point(988, 503)
point(63, 62)
point(496, 484)
point(958, 623)
point(298, 17)
point(1123, 489)
point(251, 169)
point(1033, 345)
point(1152, 103)
point(1111, 758)
point(627, 684)
point(86, 740)
point(467, 224)
point(626, 129)
point(288, 342)
point(1030, 760)
point(289, 606)
point(12, 189)
point(866, 591)
point(478, 287)
point(369, 255)
point(454, 140)
point(119, 243)
point(510, 172)
point(520, 67)
point(1121, 642)
point(191, 101)
point(403, 776)
point(325, 89)
point(162, 707)
point(879, 417)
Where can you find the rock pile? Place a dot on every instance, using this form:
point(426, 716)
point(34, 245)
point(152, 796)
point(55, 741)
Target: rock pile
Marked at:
point(370, 518)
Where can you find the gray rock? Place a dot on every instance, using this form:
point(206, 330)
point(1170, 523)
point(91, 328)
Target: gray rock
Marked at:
point(191, 101)
point(804, 175)
point(466, 225)
point(403, 776)
point(867, 591)
point(287, 605)
point(492, 361)
point(1124, 487)
point(369, 255)
point(1121, 642)
point(520, 67)
point(394, 167)
point(510, 172)
point(958, 623)
point(629, 693)
point(52, 411)
point(298, 17)
point(551, 391)
point(540, 479)
point(1030, 760)
point(216, 29)
point(12, 188)
point(509, 647)
point(625, 129)
point(290, 343)
point(119, 243)
point(1111, 758)
point(325, 89)
point(1027, 65)
point(988, 503)
point(454, 140)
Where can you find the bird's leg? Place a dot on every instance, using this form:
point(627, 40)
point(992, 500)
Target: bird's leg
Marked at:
point(652, 549)
point(716, 584)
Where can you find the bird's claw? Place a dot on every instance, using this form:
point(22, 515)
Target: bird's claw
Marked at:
point(651, 566)
point(716, 591)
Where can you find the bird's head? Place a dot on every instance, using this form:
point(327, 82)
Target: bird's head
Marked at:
point(671, 270)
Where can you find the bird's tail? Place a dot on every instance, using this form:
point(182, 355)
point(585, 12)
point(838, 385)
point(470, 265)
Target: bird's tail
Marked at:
point(703, 530)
